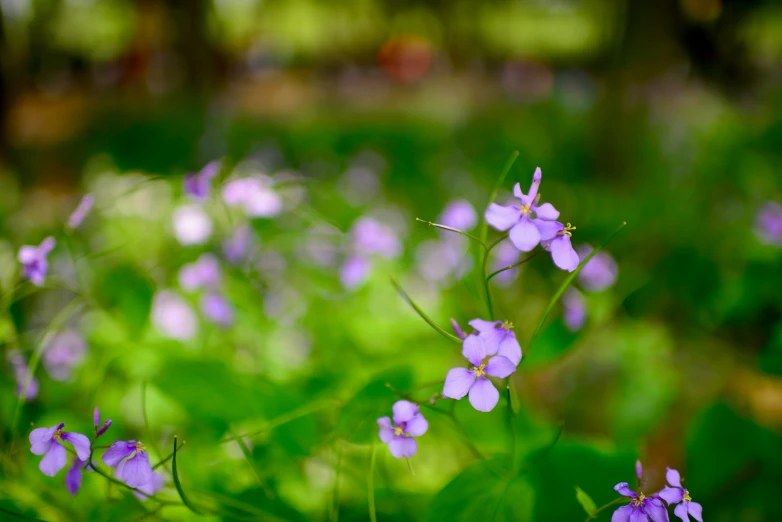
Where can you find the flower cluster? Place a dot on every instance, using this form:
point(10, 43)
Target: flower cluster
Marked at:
point(643, 508)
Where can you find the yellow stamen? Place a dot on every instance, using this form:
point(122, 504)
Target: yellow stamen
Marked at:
point(567, 230)
point(57, 434)
point(507, 325)
point(637, 501)
point(479, 370)
point(139, 446)
point(525, 209)
point(398, 431)
point(687, 496)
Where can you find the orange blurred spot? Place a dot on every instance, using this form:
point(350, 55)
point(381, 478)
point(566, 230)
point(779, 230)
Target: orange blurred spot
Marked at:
point(406, 58)
point(702, 10)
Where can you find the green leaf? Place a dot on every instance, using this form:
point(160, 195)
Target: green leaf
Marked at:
point(586, 501)
point(129, 294)
point(178, 484)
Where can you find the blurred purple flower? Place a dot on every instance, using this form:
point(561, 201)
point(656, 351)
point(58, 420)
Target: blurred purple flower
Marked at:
point(439, 260)
point(84, 207)
point(21, 371)
point(504, 255)
point(675, 493)
point(599, 273)
point(639, 470)
point(203, 273)
point(217, 309)
point(99, 430)
point(33, 259)
point(73, 476)
point(372, 237)
point(574, 309)
point(529, 223)
point(63, 352)
point(461, 381)
point(173, 317)
point(155, 484)
point(197, 184)
point(499, 338)
point(459, 214)
point(131, 462)
point(768, 225)
point(46, 442)
point(408, 423)
point(355, 270)
point(236, 247)
point(254, 195)
point(641, 509)
point(192, 225)
point(561, 249)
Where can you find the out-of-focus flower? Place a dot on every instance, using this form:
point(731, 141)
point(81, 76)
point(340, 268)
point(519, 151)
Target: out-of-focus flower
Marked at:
point(641, 508)
point(173, 316)
point(529, 223)
point(459, 214)
point(84, 207)
point(33, 259)
point(197, 184)
point(354, 271)
point(192, 225)
point(439, 260)
point(203, 273)
point(768, 225)
point(236, 247)
point(155, 484)
point(47, 442)
point(675, 493)
point(499, 338)
point(639, 470)
point(217, 309)
point(408, 423)
point(372, 237)
point(99, 430)
point(561, 249)
point(575, 310)
point(504, 255)
point(63, 352)
point(254, 195)
point(461, 381)
point(599, 273)
point(21, 371)
point(131, 461)
point(73, 476)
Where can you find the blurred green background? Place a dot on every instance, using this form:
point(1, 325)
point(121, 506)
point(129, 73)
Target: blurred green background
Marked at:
point(666, 115)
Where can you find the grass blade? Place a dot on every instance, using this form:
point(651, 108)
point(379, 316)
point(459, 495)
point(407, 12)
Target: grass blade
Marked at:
point(422, 314)
point(178, 484)
point(17, 515)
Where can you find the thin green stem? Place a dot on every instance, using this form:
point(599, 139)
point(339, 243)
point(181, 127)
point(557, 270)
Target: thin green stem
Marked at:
point(249, 458)
point(282, 419)
point(567, 281)
point(511, 423)
point(371, 483)
point(422, 314)
point(178, 484)
point(451, 229)
point(170, 456)
point(497, 185)
point(486, 289)
point(619, 500)
point(18, 515)
point(514, 265)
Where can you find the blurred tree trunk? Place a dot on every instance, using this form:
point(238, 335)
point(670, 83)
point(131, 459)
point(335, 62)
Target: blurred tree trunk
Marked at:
point(192, 43)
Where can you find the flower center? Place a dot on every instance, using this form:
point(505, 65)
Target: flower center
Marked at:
point(687, 496)
point(57, 434)
point(507, 325)
point(638, 500)
point(525, 209)
point(398, 431)
point(479, 370)
point(139, 446)
point(567, 231)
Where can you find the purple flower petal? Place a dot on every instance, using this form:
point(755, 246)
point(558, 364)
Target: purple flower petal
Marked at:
point(80, 443)
point(500, 366)
point(73, 477)
point(483, 395)
point(484, 326)
point(624, 489)
point(502, 218)
point(354, 271)
point(154, 485)
point(416, 426)
point(547, 229)
point(673, 477)
point(474, 349)
point(102, 429)
point(575, 310)
point(563, 254)
point(637, 515)
point(46, 246)
point(78, 215)
point(671, 495)
point(41, 439)
point(458, 382)
point(27, 254)
point(547, 212)
point(121, 449)
point(524, 235)
point(386, 429)
point(639, 470)
point(509, 348)
point(404, 411)
point(135, 471)
point(696, 510)
point(656, 510)
point(681, 512)
point(54, 460)
point(459, 214)
point(403, 447)
point(96, 417)
point(622, 514)
point(599, 273)
point(457, 329)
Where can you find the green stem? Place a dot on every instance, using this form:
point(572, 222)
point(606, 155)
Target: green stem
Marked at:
point(249, 458)
point(486, 289)
point(178, 484)
point(497, 185)
point(511, 267)
point(282, 419)
point(422, 314)
point(170, 456)
point(511, 424)
point(18, 515)
point(371, 484)
point(451, 229)
point(619, 500)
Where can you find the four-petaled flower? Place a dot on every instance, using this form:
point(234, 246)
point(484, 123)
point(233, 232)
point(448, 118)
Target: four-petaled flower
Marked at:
point(47, 442)
point(33, 259)
point(131, 462)
point(675, 493)
point(641, 508)
point(499, 338)
point(408, 423)
point(461, 381)
point(197, 184)
point(562, 252)
point(530, 223)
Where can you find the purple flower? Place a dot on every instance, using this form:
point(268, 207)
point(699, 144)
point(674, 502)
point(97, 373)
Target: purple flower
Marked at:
point(237, 247)
point(84, 207)
point(561, 249)
point(192, 225)
point(131, 462)
point(639, 469)
point(505, 255)
point(155, 484)
point(254, 195)
point(197, 184)
point(26, 384)
point(675, 493)
point(768, 225)
point(459, 214)
point(33, 259)
point(99, 430)
point(369, 236)
point(499, 338)
point(575, 310)
point(599, 273)
point(461, 381)
point(173, 317)
point(641, 509)
point(217, 309)
point(204, 272)
point(73, 476)
point(47, 442)
point(64, 351)
point(408, 423)
point(439, 260)
point(529, 223)
point(355, 270)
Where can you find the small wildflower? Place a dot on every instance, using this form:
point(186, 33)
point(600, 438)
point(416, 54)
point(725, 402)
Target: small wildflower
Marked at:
point(768, 224)
point(99, 430)
point(34, 263)
point(254, 195)
point(529, 223)
point(599, 273)
point(499, 338)
point(192, 225)
point(78, 215)
point(459, 214)
point(641, 508)
point(461, 381)
point(217, 309)
point(676, 493)
point(47, 442)
point(173, 317)
point(408, 423)
point(63, 352)
point(370, 237)
point(197, 184)
point(575, 310)
point(503, 256)
point(237, 247)
point(561, 249)
point(354, 271)
point(203, 273)
point(131, 461)
point(26, 384)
